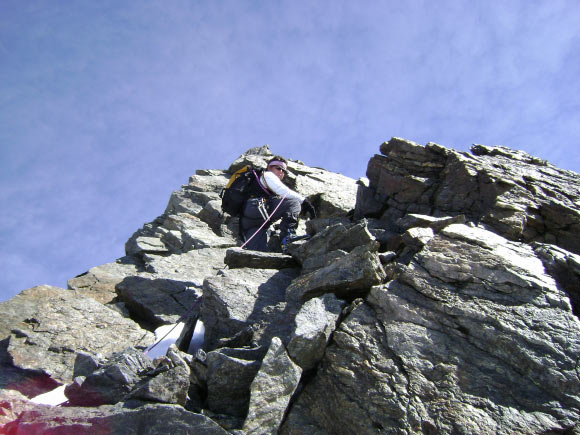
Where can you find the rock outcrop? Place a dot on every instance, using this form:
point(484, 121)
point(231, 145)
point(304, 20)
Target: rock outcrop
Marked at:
point(440, 294)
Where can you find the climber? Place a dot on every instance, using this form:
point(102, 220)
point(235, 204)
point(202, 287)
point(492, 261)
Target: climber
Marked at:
point(269, 195)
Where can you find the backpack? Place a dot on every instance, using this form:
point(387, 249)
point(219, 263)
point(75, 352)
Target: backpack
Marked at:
point(237, 191)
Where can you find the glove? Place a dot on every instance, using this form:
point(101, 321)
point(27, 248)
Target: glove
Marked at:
point(308, 208)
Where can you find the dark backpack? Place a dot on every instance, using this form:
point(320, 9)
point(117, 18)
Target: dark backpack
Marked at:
point(237, 191)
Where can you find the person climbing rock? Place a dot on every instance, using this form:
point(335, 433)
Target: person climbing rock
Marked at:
point(270, 200)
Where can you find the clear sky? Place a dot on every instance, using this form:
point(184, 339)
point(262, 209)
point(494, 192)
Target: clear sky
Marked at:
point(107, 106)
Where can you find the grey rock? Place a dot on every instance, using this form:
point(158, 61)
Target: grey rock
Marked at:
point(192, 198)
point(314, 226)
point(184, 232)
point(237, 258)
point(318, 261)
point(86, 363)
point(314, 324)
point(48, 326)
point(144, 244)
point(112, 382)
point(168, 386)
point(239, 298)
point(256, 157)
point(437, 348)
point(192, 266)
point(564, 267)
point(157, 302)
point(28, 382)
point(123, 418)
point(228, 382)
point(518, 196)
point(417, 237)
point(348, 277)
point(213, 181)
point(99, 282)
point(333, 195)
point(271, 390)
point(332, 238)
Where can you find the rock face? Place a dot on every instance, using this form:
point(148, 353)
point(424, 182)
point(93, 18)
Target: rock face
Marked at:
point(439, 295)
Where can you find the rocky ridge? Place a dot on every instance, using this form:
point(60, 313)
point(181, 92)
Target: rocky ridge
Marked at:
point(438, 295)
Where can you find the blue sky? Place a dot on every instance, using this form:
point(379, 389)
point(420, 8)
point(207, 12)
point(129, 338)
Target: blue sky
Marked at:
point(107, 107)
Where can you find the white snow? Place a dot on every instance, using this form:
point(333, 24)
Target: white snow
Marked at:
point(54, 397)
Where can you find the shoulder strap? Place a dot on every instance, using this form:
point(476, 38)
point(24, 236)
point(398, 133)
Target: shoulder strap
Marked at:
point(265, 188)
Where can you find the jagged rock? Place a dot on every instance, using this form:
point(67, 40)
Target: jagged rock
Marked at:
point(334, 195)
point(122, 418)
point(318, 261)
point(168, 386)
point(49, 325)
point(237, 258)
point(336, 237)
point(229, 376)
point(256, 157)
point(144, 244)
point(183, 232)
point(99, 282)
point(271, 390)
point(314, 323)
point(437, 348)
point(30, 383)
point(197, 381)
point(564, 267)
point(86, 363)
point(192, 266)
point(417, 237)
point(239, 298)
point(314, 226)
point(157, 301)
point(191, 198)
point(348, 277)
point(517, 195)
point(212, 181)
point(112, 382)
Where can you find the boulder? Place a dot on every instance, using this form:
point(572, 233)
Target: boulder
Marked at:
point(183, 232)
point(335, 237)
point(99, 282)
point(314, 324)
point(157, 302)
point(348, 277)
point(239, 298)
point(191, 266)
point(112, 382)
point(238, 258)
point(271, 390)
point(229, 376)
point(168, 384)
point(48, 326)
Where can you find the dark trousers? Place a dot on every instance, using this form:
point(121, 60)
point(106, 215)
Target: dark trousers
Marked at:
point(252, 219)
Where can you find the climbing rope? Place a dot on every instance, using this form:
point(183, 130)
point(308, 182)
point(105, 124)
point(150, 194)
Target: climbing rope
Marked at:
point(266, 221)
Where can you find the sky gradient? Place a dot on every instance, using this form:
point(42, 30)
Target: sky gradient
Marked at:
point(107, 107)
